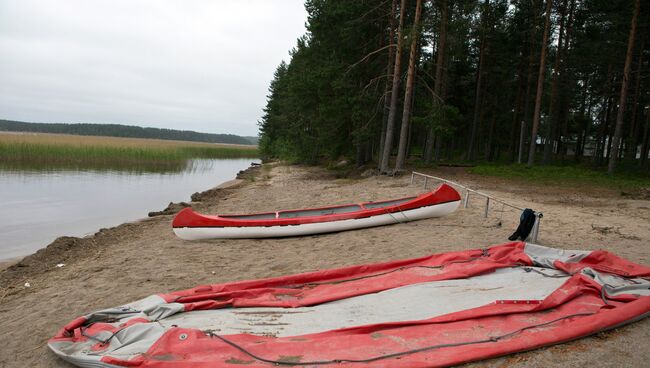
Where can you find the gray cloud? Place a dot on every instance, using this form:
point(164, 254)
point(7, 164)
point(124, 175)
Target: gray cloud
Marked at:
point(196, 64)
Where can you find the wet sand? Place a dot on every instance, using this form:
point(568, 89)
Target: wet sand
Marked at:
point(134, 260)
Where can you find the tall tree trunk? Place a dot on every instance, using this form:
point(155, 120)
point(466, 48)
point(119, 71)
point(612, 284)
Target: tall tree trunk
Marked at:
point(606, 139)
point(645, 141)
point(633, 138)
point(512, 145)
point(428, 145)
point(361, 155)
point(603, 131)
point(552, 118)
point(604, 116)
point(390, 124)
point(438, 101)
point(408, 93)
point(583, 133)
point(529, 81)
point(582, 127)
point(563, 129)
point(369, 150)
point(587, 129)
point(609, 145)
point(540, 85)
point(477, 97)
point(489, 149)
point(443, 95)
point(565, 99)
point(438, 148)
point(616, 141)
point(389, 77)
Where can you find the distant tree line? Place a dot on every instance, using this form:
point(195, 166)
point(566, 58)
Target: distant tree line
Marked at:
point(528, 81)
point(127, 131)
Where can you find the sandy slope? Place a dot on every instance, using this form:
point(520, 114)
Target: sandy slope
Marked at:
point(131, 261)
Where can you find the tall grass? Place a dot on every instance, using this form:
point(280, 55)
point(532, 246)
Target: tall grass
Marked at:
point(50, 150)
point(567, 175)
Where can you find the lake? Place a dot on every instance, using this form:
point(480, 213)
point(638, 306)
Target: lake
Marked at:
point(40, 205)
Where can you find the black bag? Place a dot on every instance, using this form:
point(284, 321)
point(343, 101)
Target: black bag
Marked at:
point(526, 223)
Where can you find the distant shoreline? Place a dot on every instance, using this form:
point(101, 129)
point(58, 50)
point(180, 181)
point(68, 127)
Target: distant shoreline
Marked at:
point(124, 131)
point(135, 139)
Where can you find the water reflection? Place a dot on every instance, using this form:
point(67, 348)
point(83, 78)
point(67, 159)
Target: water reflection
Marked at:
point(42, 204)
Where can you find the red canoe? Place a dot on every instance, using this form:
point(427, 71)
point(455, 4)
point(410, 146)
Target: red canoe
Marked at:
point(190, 225)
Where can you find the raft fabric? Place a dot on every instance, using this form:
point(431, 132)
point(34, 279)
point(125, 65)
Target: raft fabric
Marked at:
point(439, 310)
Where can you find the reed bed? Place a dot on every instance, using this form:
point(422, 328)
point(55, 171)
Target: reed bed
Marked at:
point(53, 150)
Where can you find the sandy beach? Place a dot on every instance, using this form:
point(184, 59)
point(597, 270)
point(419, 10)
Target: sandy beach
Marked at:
point(134, 260)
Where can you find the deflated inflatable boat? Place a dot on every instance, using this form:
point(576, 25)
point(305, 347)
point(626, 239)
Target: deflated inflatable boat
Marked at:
point(439, 310)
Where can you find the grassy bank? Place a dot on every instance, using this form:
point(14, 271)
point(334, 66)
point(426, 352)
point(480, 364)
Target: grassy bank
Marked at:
point(38, 151)
point(567, 175)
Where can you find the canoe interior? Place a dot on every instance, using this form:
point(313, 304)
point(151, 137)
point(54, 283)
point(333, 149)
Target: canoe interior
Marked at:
point(257, 216)
point(393, 202)
point(319, 211)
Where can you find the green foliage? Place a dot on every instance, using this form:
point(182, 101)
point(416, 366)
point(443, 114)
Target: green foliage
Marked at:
point(125, 131)
point(566, 175)
point(324, 103)
point(328, 100)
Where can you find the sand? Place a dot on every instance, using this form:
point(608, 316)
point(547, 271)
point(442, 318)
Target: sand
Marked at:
point(134, 260)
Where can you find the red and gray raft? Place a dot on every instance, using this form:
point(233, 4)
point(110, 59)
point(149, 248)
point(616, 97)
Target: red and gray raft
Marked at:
point(439, 310)
point(190, 225)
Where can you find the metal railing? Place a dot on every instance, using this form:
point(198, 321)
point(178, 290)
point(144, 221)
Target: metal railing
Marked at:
point(488, 198)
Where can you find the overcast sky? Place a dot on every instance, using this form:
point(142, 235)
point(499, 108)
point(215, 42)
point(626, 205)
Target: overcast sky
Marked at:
point(201, 65)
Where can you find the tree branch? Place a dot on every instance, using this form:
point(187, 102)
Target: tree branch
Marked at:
point(369, 55)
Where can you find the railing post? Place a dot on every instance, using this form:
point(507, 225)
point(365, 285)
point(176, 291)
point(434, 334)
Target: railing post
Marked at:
point(538, 215)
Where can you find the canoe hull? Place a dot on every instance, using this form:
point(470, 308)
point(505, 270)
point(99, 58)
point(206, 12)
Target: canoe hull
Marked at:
point(190, 225)
point(199, 233)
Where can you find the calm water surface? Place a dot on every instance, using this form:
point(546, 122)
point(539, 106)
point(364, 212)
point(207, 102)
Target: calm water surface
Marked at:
point(39, 206)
